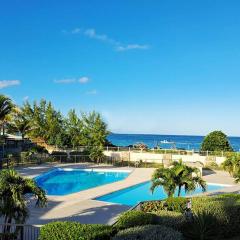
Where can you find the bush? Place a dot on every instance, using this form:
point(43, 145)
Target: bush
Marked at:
point(149, 232)
point(171, 204)
point(75, 231)
point(226, 210)
point(203, 226)
point(174, 220)
point(216, 141)
point(134, 218)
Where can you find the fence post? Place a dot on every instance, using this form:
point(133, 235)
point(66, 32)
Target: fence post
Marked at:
point(107, 148)
point(222, 153)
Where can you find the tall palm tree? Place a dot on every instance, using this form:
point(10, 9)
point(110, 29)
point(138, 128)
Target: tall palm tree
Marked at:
point(178, 176)
point(6, 107)
point(13, 191)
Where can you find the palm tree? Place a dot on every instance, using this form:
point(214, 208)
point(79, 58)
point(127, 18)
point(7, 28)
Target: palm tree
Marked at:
point(13, 191)
point(20, 123)
point(177, 176)
point(232, 164)
point(164, 177)
point(6, 107)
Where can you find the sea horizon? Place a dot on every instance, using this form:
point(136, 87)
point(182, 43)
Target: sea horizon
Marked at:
point(187, 142)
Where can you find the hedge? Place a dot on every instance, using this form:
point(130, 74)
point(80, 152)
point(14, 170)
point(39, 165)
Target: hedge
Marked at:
point(149, 232)
point(134, 218)
point(75, 231)
point(224, 208)
point(174, 220)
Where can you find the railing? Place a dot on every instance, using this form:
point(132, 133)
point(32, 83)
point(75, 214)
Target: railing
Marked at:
point(18, 232)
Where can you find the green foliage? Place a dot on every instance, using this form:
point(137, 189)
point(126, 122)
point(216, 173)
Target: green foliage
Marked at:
point(95, 133)
point(216, 141)
point(19, 123)
point(171, 219)
point(134, 218)
point(13, 188)
point(149, 232)
point(202, 227)
point(6, 107)
point(225, 209)
point(74, 231)
point(232, 165)
point(178, 176)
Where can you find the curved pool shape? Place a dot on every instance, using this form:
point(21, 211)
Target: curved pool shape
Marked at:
point(66, 181)
point(132, 195)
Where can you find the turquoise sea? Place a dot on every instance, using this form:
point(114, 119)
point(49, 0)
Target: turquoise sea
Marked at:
point(181, 141)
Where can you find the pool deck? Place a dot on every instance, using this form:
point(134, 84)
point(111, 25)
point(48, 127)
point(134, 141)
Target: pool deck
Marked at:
point(82, 208)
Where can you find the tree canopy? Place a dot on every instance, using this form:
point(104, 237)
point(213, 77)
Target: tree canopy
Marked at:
point(216, 141)
point(41, 120)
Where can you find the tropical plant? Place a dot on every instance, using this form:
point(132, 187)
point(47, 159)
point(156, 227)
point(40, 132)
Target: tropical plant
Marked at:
point(177, 176)
point(232, 164)
point(19, 123)
point(6, 107)
point(13, 191)
point(216, 141)
point(202, 227)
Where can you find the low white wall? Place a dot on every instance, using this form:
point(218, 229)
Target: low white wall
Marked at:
point(159, 158)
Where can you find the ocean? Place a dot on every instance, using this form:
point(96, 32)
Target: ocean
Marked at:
point(165, 141)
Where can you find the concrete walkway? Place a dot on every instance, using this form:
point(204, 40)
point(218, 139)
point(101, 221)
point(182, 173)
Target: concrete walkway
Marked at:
point(82, 208)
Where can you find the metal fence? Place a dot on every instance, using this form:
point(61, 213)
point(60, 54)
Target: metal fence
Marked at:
point(19, 232)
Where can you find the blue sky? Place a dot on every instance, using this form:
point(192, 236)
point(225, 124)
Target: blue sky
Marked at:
point(148, 66)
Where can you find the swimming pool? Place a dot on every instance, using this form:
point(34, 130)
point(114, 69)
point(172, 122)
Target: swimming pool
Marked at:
point(141, 192)
point(66, 181)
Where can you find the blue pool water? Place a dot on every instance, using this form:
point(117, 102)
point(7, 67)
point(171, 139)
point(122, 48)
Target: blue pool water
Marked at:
point(65, 181)
point(141, 192)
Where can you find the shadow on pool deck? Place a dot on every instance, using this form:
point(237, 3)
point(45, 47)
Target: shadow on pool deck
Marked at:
point(87, 212)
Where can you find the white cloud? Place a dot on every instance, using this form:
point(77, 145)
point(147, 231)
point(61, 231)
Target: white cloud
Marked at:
point(92, 92)
point(65, 81)
point(8, 83)
point(83, 80)
point(130, 47)
point(118, 46)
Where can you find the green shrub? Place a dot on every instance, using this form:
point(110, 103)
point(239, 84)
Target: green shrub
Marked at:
point(216, 141)
point(74, 231)
point(174, 220)
point(171, 204)
point(202, 227)
point(149, 232)
point(226, 210)
point(134, 218)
